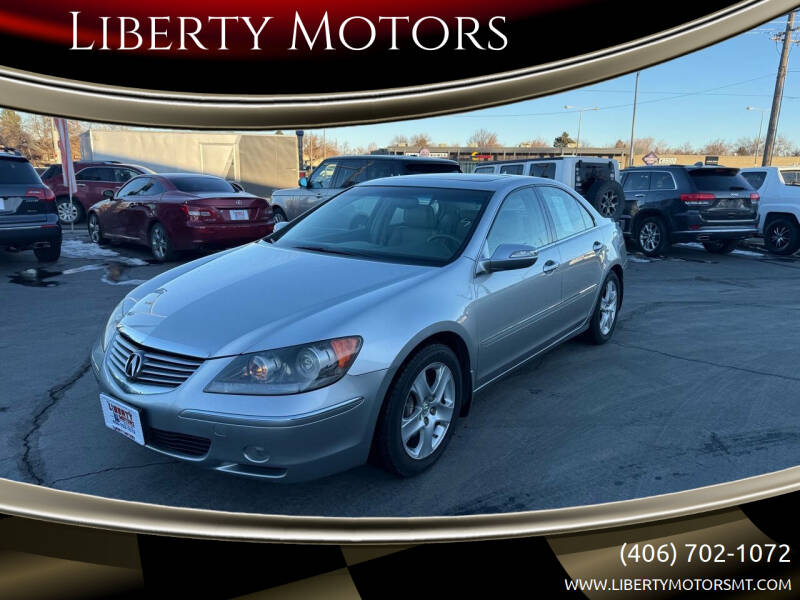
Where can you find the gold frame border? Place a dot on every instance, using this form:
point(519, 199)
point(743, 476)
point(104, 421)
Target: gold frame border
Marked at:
point(57, 96)
point(38, 502)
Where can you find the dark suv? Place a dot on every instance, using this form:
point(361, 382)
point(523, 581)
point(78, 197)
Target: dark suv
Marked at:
point(669, 204)
point(93, 178)
point(334, 174)
point(28, 216)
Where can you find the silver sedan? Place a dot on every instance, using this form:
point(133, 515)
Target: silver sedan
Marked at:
point(361, 329)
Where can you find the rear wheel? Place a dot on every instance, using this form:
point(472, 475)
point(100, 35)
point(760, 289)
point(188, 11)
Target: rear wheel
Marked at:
point(721, 246)
point(278, 216)
point(420, 412)
point(160, 245)
point(49, 253)
point(781, 236)
point(651, 236)
point(607, 197)
point(95, 230)
point(69, 212)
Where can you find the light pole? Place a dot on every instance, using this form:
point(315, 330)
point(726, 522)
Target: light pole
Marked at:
point(758, 139)
point(580, 118)
point(633, 119)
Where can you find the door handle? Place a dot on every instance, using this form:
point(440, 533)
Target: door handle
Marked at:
point(639, 195)
point(81, 185)
point(598, 246)
point(549, 266)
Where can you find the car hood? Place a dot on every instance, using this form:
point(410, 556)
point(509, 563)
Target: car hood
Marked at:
point(257, 297)
point(286, 191)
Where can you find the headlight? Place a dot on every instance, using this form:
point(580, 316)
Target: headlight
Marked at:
point(116, 316)
point(288, 370)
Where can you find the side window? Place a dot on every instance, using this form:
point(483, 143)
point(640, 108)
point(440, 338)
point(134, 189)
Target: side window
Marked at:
point(484, 170)
point(660, 181)
point(637, 182)
point(151, 188)
point(546, 170)
point(350, 172)
point(322, 177)
point(382, 168)
point(132, 188)
point(121, 174)
point(512, 169)
point(755, 178)
point(520, 220)
point(569, 217)
point(95, 174)
point(789, 177)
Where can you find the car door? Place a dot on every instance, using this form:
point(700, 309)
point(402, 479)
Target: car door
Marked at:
point(140, 209)
point(515, 310)
point(581, 248)
point(92, 182)
point(636, 186)
point(320, 188)
point(115, 217)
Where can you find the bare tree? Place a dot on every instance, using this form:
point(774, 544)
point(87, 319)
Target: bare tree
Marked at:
point(536, 142)
point(716, 147)
point(643, 145)
point(314, 150)
point(399, 140)
point(481, 138)
point(420, 140)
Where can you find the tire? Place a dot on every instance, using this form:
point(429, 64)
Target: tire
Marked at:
point(606, 311)
point(651, 236)
point(160, 245)
point(69, 212)
point(721, 246)
point(278, 216)
point(422, 416)
point(95, 230)
point(607, 197)
point(781, 236)
point(48, 254)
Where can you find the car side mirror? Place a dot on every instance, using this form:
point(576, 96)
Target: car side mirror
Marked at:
point(108, 194)
point(279, 225)
point(303, 182)
point(508, 257)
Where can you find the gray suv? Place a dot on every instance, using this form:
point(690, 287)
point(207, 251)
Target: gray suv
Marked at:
point(341, 172)
point(28, 217)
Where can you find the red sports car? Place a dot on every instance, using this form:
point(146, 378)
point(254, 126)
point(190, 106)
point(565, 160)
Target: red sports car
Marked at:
point(171, 212)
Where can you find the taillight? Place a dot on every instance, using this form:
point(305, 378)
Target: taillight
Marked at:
point(698, 199)
point(196, 215)
point(754, 197)
point(46, 194)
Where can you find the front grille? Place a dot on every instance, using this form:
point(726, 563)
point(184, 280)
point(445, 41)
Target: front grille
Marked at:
point(158, 368)
point(180, 443)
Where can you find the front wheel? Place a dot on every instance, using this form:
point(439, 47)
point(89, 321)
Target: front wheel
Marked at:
point(651, 236)
point(720, 246)
point(781, 236)
point(420, 412)
point(278, 215)
point(95, 230)
point(160, 245)
point(604, 318)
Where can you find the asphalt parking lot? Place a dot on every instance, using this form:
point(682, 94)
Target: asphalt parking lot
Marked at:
point(699, 385)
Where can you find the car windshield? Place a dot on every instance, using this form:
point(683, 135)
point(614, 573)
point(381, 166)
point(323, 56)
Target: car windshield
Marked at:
point(202, 184)
point(18, 171)
point(412, 225)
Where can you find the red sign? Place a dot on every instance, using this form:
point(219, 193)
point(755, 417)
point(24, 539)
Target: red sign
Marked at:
point(650, 158)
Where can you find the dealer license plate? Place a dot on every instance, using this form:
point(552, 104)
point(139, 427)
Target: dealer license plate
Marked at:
point(239, 215)
point(122, 418)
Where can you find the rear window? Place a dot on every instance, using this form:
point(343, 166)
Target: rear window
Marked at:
point(710, 180)
point(431, 167)
point(51, 171)
point(791, 177)
point(755, 178)
point(18, 171)
point(202, 184)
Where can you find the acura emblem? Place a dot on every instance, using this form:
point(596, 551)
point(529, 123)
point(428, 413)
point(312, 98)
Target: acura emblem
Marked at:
point(133, 366)
point(238, 203)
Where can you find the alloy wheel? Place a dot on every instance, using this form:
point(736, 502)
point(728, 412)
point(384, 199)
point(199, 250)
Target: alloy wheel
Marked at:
point(649, 236)
point(608, 307)
point(158, 241)
point(277, 217)
point(428, 410)
point(779, 235)
point(94, 229)
point(608, 204)
point(67, 212)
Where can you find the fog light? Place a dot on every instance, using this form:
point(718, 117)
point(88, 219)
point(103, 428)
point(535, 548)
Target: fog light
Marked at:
point(256, 454)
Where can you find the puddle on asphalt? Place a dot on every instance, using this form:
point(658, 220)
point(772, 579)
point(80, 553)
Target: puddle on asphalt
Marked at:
point(115, 274)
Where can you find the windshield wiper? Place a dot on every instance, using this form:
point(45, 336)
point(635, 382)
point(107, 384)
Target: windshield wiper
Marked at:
point(325, 250)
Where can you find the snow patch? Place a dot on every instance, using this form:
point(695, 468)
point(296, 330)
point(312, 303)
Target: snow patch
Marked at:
point(80, 249)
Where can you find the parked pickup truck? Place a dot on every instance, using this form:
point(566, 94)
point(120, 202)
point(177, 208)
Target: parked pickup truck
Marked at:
point(779, 209)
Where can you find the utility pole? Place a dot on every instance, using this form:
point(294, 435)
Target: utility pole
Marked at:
point(777, 99)
point(633, 120)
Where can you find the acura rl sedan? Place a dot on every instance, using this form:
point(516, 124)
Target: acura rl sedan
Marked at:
point(360, 330)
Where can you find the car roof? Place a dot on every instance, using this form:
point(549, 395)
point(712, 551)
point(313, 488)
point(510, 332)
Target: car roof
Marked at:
point(463, 181)
point(486, 163)
point(179, 174)
point(395, 157)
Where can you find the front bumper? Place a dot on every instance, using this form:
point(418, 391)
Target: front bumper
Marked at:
point(284, 438)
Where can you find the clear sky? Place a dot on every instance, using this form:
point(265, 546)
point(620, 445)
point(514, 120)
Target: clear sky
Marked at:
point(696, 98)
